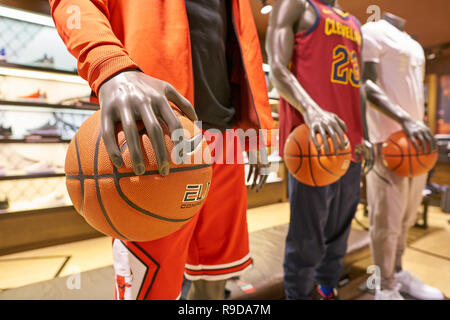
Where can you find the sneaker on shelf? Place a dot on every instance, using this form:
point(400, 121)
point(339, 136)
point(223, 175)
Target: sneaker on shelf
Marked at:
point(42, 167)
point(48, 129)
point(4, 204)
point(45, 61)
point(36, 96)
point(5, 132)
point(412, 286)
point(385, 294)
point(326, 293)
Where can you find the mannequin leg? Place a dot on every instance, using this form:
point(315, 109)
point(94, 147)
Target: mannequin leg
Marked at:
point(416, 186)
point(387, 197)
point(338, 226)
point(207, 290)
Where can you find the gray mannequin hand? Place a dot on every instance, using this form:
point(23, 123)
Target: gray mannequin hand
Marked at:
point(260, 169)
point(367, 152)
point(418, 130)
point(326, 123)
point(133, 95)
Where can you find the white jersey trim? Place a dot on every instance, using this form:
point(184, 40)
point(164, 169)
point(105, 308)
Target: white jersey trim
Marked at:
point(218, 276)
point(217, 266)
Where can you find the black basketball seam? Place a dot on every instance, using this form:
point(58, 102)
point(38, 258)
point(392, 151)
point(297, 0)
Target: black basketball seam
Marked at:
point(97, 189)
point(326, 169)
point(80, 173)
point(136, 207)
point(401, 154)
point(131, 174)
point(301, 151)
point(420, 162)
point(310, 165)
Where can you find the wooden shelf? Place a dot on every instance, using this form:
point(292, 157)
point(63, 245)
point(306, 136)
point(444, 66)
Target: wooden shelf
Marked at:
point(32, 141)
point(31, 176)
point(90, 106)
point(35, 68)
point(7, 212)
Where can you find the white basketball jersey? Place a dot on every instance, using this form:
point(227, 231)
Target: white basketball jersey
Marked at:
point(401, 72)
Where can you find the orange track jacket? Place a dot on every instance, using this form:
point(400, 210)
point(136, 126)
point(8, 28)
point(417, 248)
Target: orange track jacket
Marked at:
point(113, 35)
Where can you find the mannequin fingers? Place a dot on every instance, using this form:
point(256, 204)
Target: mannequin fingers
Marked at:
point(324, 140)
point(181, 102)
point(255, 177)
point(109, 139)
point(132, 136)
point(431, 140)
point(250, 171)
point(168, 115)
point(414, 142)
point(332, 135)
point(156, 136)
point(358, 154)
point(421, 139)
point(313, 135)
point(261, 183)
point(341, 123)
point(342, 142)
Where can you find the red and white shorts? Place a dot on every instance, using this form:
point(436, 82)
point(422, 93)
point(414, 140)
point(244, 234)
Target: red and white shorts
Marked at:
point(212, 246)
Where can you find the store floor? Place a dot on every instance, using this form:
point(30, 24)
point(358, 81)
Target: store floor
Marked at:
point(427, 256)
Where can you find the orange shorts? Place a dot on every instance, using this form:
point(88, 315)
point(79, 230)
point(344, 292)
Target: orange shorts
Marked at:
point(212, 246)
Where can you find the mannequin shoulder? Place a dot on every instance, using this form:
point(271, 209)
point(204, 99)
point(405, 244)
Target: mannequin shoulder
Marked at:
point(374, 30)
point(288, 12)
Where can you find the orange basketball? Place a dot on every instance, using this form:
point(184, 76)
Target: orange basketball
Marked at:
point(311, 167)
point(125, 206)
point(400, 156)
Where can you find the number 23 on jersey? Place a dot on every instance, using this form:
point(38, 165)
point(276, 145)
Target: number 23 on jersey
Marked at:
point(345, 67)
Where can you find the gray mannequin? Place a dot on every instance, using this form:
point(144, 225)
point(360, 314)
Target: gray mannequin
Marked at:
point(394, 66)
point(296, 36)
point(216, 74)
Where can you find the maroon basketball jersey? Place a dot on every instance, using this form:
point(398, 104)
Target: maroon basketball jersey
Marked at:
point(326, 62)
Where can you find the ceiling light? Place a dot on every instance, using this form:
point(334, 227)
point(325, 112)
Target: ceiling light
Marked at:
point(266, 8)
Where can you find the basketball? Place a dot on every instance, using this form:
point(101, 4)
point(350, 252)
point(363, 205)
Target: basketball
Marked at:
point(400, 156)
point(311, 167)
point(123, 205)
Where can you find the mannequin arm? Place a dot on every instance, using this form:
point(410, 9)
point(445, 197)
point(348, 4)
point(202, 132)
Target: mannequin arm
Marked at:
point(379, 99)
point(124, 96)
point(279, 45)
point(99, 53)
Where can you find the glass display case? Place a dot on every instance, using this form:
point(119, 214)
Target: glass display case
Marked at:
point(33, 140)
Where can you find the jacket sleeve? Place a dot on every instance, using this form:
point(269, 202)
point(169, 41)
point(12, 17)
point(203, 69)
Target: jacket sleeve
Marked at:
point(86, 30)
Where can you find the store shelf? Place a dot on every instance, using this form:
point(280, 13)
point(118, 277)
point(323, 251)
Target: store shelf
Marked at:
point(32, 141)
point(269, 181)
point(31, 176)
point(47, 105)
point(5, 212)
point(35, 68)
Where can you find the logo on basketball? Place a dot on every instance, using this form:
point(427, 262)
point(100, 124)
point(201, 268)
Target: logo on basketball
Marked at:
point(195, 194)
